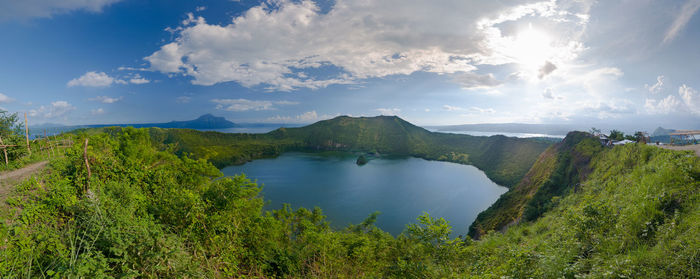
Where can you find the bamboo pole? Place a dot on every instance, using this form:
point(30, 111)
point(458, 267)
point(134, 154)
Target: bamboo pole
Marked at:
point(26, 133)
point(4, 150)
point(87, 165)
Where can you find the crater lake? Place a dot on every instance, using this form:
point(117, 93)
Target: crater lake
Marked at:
point(400, 188)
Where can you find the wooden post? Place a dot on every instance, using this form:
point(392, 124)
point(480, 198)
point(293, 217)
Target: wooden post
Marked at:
point(26, 133)
point(4, 150)
point(85, 156)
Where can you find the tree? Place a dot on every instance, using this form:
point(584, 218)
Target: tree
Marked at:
point(11, 134)
point(616, 135)
point(594, 131)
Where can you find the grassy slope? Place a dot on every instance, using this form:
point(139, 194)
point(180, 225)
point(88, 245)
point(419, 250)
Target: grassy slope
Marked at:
point(556, 172)
point(637, 215)
point(504, 160)
point(149, 213)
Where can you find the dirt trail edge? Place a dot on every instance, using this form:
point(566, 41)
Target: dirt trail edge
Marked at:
point(7, 179)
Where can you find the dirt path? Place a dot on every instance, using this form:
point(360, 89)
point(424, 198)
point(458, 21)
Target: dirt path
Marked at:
point(7, 179)
point(695, 147)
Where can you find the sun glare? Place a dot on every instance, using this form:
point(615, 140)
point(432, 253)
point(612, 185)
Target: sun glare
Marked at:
point(532, 48)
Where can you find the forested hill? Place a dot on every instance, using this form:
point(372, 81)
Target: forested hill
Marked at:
point(504, 160)
point(558, 171)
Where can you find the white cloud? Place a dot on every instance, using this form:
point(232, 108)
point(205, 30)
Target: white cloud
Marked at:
point(55, 110)
point(98, 111)
point(101, 79)
point(200, 8)
point(183, 99)
point(686, 13)
point(687, 101)
point(93, 79)
point(23, 9)
point(664, 106)
point(5, 99)
point(658, 86)
point(690, 97)
point(388, 111)
point(278, 43)
point(246, 105)
point(137, 79)
point(106, 99)
point(306, 117)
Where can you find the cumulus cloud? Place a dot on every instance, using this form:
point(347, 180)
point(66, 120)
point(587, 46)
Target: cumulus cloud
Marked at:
point(687, 101)
point(690, 98)
point(106, 99)
point(271, 44)
point(24, 9)
point(138, 79)
point(246, 105)
point(200, 8)
point(55, 110)
point(388, 111)
point(664, 106)
point(306, 117)
point(93, 79)
point(684, 16)
point(5, 99)
point(658, 86)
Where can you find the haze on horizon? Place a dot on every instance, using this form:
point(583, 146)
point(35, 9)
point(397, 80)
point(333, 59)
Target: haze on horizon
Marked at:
point(579, 62)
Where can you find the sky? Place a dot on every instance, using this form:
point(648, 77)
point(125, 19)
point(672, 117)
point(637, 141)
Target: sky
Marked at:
point(633, 64)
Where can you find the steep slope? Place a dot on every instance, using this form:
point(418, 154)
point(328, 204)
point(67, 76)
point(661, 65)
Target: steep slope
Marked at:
point(557, 171)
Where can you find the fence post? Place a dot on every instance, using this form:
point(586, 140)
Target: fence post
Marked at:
point(26, 133)
point(4, 150)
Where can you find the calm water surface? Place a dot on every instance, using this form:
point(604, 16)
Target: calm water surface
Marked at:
point(400, 188)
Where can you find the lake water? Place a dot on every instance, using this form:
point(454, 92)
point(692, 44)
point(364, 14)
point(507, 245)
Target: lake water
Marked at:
point(400, 188)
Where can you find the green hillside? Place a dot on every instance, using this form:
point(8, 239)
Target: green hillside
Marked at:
point(144, 212)
point(504, 160)
point(556, 173)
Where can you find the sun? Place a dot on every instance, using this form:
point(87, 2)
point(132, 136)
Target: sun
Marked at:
point(532, 48)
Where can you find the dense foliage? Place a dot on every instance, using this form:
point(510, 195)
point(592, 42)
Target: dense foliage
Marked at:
point(145, 212)
point(557, 172)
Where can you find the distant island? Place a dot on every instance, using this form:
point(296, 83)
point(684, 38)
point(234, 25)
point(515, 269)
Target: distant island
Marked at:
point(203, 122)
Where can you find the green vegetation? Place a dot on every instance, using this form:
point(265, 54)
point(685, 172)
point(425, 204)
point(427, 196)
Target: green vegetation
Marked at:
point(361, 160)
point(12, 136)
point(556, 173)
point(145, 212)
point(504, 160)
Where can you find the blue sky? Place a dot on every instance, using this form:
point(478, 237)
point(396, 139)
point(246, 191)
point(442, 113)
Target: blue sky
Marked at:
point(632, 64)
